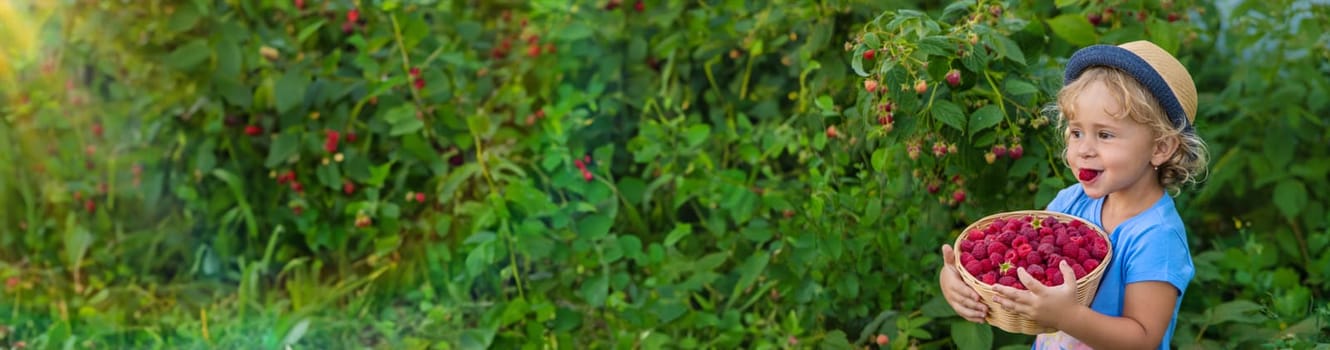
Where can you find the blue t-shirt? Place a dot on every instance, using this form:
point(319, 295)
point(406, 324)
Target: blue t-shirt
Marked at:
point(1151, 246)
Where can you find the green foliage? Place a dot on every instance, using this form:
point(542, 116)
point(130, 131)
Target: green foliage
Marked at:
point(583, 174)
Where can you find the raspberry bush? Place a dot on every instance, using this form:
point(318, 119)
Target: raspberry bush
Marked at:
point(607, 173)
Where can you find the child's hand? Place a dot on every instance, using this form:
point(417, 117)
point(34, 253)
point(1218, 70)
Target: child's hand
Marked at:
point(962, 298)
point(1046, 305)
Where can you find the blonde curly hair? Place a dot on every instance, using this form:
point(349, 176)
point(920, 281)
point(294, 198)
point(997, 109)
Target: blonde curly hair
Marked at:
point(1189, 162)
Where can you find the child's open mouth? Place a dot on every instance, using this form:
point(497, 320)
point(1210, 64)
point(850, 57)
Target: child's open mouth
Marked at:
point(1088, 175)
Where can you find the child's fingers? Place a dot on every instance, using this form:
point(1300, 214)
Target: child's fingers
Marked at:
point(1068, 274)
point(948, 257)
point(1029, 281)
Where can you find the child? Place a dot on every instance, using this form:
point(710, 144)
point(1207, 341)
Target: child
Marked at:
point(1126, 113)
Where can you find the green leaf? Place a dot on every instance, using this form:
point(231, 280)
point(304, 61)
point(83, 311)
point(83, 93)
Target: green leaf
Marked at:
point(1235, 311)
point(595, 226)
point(871, 41)
point(857, 63)
point(294, 335)
point(228, 60)
point(1074, 28)
point(879, 159)
point(748, 272)
point(1290, 198)
point(1008, 48)
point(1065, 3)
point(184, 18)
point(1017, 87)
point(310, 30)
point(190, 55)
point(290, 90)
point(1165, 35)
point(356, 167)
point(696, 134)
point(970, 335)
point(835, 340)
point(680, 231)
point(949, 113)
point(595, 289)
point(403, 120)
point(984, 118)
point(282, 149)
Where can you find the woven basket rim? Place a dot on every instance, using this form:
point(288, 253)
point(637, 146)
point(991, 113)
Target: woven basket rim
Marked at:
point(1086, 286)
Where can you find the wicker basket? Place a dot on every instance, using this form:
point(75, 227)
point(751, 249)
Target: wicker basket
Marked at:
point(1086, 286)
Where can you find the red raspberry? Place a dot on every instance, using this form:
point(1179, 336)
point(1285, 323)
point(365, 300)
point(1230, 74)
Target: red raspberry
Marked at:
point(980, 250)
point(967, 245)
point(1047, 240)
point(1061, 240)
point(1034, 258)
point(985, 265)
point(1036, 270)
point(1046, 249)
point(1054, 278)
point(1023, 250)
point(1079, 270)
point(976, 235)
point(1098, 250)
point(966, 258)
point(996, 248)
point(1045, 231)
point(1090, 264)
point(1010, 256)
point(349, 187)
point(1020, 241)
point(995, 257)
point(253, 130)
point(420, 197)
point(1006, 237)
point(1071, 251)
point(974, 267)
point(1008, 281)
point(1055, 262)
point(989, 278)
point(1076, 224)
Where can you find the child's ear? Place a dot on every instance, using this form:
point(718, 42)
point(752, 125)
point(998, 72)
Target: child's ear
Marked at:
point(1165, 147)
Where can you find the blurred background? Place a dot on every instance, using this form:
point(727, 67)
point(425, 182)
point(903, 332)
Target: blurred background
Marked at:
point(655, 174)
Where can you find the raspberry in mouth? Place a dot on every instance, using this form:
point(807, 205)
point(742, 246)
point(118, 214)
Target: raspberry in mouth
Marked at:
point(1088, 174)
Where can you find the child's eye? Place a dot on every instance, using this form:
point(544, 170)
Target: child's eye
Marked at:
point(1104, 135)
point(1075, 134)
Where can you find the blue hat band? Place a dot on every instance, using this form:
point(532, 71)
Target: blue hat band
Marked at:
point(1133, 65)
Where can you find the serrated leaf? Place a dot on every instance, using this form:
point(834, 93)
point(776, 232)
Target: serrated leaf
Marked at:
point(189, 56)
point(950, 114)
point(1290, 198)
point(879, 159)
point(984, 118)
point(697, 133)
point(1009, 49)
point(970, 335)
point(871, 41)
point(1163, 33)
point(1074, 28)
point(1017, 87)
point(595, 289)
point(310, 30)
point(285, 146)
point(1235, 311)
point(290, 90)
point(857, 63)
point(595, 226)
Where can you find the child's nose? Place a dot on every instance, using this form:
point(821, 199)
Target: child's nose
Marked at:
point(1085, 148)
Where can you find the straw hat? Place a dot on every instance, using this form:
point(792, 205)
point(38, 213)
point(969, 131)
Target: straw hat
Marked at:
point(1156, 69)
